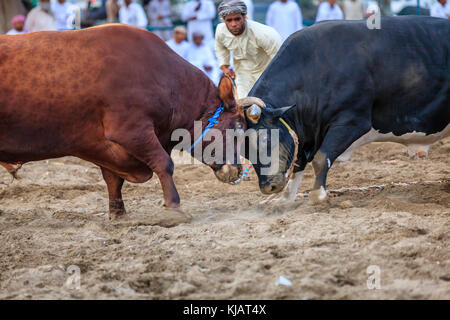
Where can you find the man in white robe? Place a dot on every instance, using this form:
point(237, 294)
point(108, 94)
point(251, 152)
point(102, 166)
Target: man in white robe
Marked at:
point(354, 9)
point(284, 16)
point(253, 45)
point(18, 25)
point(41, 18)
point(199, 15)
point(133, 14)
point(178, 43)
point(159, 12)
point(62, 10)
point(200, 55)
point(440, 9)
point(329, 10)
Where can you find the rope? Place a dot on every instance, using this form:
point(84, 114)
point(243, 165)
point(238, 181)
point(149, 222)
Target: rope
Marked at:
point(341, 191)
point(211, 122)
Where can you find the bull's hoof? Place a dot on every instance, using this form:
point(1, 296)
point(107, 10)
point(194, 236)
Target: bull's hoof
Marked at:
point(117, 215)
point(318, 196)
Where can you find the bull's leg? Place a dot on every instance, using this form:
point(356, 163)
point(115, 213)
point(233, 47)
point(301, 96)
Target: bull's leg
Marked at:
point(145, 146)
point(336, 141)
point(291, 189)
point(114, 184)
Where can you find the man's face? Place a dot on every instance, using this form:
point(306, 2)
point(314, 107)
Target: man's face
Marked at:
point(127, 2)
point(179, 36)
point(61, 1)
point(332, 2)
point(198, 40)
point(443, 2)
point(45, 5)
point(235, 23)
point(18, 26)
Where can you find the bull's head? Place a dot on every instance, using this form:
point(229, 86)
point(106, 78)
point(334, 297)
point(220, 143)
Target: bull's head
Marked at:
point(221, 145)
point(271, 144)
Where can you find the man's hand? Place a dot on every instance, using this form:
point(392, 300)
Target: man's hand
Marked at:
point(198, 6)
point(207, 68)
point(192, 19)
point(228, 72)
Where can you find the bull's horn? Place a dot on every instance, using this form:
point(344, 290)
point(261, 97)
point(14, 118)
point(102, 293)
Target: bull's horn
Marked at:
point(254, 113)
point(248, 101)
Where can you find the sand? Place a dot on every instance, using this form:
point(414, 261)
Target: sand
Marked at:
point(55, 217)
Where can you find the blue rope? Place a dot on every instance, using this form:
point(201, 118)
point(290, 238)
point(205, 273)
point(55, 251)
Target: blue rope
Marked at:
point(211, 122)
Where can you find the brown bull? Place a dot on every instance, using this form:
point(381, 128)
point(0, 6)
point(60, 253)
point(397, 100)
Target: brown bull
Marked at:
point(111, 95)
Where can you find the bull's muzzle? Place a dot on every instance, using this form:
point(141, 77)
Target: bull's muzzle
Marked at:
point(274, 184)
point(228, 173)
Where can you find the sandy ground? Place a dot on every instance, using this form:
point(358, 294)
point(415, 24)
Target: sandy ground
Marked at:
point(55, 217)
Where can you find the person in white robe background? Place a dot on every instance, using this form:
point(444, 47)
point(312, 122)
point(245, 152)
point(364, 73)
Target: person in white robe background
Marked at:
point(178, 43)
point(62, 10)
point(159, 13)
point(18, 25)
point(284, 16)
point(200, 55)
point(329, 10)
point(440, 9)
point(199, 15)
point(41, 18)
point(133, 14)
point(354, 9)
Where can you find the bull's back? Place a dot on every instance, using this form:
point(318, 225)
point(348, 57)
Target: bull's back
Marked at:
point(404, 67)
point(56, 86)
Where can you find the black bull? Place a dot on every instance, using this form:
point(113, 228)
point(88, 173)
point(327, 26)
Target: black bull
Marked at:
point(348, 85)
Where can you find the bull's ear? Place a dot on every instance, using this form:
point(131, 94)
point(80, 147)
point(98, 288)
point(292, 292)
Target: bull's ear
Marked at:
point(278, 112)
point(226, 94)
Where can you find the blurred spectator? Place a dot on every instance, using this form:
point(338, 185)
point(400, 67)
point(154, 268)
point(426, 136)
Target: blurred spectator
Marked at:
point(112, 10)
point(41, 18)
point(200, 55)
point(18, 25)
point(250, 8)
point(159, 12)
point(8, 10)
point(285, 17)
point(199, 15)
point(178, 43)
point(133, 14)
point(329, 10)
point(253, 45)
point(62, 11)
point(354, 9)
point(441, 9)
